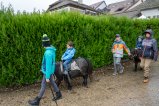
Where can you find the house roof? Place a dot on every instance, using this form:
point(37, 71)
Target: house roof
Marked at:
point(95, 5)
point(148, 4)
point(63, 3)
point(122, 6)
point(130, 14)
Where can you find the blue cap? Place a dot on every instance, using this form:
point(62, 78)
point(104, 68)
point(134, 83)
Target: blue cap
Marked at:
point(117, 35)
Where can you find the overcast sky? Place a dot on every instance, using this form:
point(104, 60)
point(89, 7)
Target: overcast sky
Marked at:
point(29, 5)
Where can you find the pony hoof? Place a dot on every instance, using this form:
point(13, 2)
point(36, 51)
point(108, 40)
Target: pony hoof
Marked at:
point(72, 92)
point(69, 88)
point(86, 86)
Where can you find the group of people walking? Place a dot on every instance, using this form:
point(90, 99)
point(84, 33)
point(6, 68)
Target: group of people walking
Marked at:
point(147, 44)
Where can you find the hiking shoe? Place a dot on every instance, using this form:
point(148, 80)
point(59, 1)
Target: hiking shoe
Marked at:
point(121, 71)
point(141, 68)
point(34, 102)
point(58, 96)
point(146, 80)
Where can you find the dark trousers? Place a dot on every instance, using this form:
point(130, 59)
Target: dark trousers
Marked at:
point(44, 83)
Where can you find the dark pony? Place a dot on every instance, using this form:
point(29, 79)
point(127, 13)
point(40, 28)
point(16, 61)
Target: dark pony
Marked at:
point(135, 55)
point(85, 71)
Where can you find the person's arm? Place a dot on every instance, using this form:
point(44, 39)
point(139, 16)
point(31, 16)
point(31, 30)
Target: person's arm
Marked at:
point(48, 59)
point(136, 43)
point(126, 48)
point(112, 49)
point(155, 49)
point(70, 55)
point(54, 62)
point(63, 55)
point(42, 68)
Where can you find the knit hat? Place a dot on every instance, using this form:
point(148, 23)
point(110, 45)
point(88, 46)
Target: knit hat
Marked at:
point(45, 38)
point(46, 41)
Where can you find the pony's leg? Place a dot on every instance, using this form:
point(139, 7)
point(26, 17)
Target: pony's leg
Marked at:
point(69, 86)
point(91, 78)
point(58, 81)
point(85, 77)
point(136, 63)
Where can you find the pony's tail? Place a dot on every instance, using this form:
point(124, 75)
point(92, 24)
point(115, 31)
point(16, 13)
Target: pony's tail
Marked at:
point(90, 69)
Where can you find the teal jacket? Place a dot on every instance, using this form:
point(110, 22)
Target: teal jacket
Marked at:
point(48, 62)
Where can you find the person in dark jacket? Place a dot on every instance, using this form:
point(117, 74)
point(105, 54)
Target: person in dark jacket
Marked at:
point(48, 69)
point(149, 53)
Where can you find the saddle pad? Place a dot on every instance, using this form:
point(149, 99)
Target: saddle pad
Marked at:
point(74, 66)
point(61, 67)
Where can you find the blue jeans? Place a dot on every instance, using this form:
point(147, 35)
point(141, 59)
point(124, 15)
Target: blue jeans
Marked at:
point(66, 65)
point(43, 86)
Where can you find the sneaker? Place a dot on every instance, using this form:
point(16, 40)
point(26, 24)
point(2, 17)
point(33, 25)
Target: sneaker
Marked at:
point(146, 80)
point(121, 71)
point(115, 73)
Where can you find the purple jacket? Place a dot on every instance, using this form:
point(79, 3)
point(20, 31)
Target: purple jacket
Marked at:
point(149, 47)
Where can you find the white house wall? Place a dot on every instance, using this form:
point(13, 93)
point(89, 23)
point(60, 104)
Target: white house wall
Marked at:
point(77, 9)
point(152, 13)
point(63, 9)
point(69, 8)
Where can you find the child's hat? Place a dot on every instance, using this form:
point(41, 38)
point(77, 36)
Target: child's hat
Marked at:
point(117, 35)
point(45, 41)
point(45, 38)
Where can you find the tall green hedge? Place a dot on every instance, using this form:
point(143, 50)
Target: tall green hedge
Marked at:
point(21, 48)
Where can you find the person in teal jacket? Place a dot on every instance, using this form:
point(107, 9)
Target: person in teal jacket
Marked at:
point(48, 69)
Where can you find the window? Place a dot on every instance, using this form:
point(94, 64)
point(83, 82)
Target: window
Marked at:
point(120, 9)
point(154, 16)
